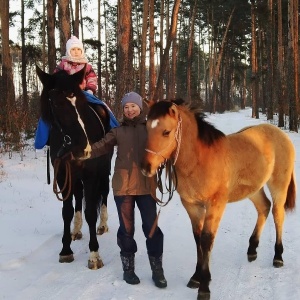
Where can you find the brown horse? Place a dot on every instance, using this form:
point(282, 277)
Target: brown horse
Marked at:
point(214, 169)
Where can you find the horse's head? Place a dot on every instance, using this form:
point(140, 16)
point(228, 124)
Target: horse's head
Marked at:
point(64, 106)
point(163, 126)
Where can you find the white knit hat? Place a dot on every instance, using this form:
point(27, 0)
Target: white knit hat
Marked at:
point(74, 42)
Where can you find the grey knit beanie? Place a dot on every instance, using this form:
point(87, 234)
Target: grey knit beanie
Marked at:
point(132, 97)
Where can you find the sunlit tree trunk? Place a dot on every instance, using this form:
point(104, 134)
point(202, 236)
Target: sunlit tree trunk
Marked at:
point(24, 76)
point(64, 24)
point(124, 49)
point(44, 37)
point(106, 57)
point(190, 50)
point(143, 49)
point(170, 38)
point(51, 8)
point(215, 81)
point(7, 99)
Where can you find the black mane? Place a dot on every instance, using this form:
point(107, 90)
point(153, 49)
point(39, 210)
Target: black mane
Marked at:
point(207, 133)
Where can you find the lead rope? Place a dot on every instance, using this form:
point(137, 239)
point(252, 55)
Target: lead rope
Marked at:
point(171, 175)
point(67, 183)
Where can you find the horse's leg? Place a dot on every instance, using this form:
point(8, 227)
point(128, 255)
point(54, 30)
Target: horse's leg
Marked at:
point(103, 227)
point(197, 215)
point(77, 223)
point(66, 254)
point(213, 216)
point(92, 202)
point(262, 205)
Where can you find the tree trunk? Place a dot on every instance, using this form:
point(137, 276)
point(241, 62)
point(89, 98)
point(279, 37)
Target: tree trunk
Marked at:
point(280, 63)
point(152, 73)
point(125, 53)
point(24, 73)
point(64, 24)
point(7, 99)
point(100, 95)
point(164, 62)
point(51, 8)
point(215, 81)
point(254, 67)
point(293, 64)
point(143, 49)
point(190, 50)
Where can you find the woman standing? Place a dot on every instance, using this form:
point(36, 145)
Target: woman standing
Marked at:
point(132, 189)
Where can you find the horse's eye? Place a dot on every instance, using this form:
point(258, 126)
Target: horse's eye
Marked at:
point(166, 133)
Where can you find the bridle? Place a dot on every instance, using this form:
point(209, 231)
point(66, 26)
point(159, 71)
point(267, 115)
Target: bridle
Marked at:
point(169, 166)
point(61, 153)
point(177, 137)
point(171, 175)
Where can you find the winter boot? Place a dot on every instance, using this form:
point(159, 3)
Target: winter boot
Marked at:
point(157, 271)
point(128, 267)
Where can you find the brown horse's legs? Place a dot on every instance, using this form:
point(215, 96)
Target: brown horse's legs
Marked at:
point(262, 205)
point(205, 223)
point(212, 220)
point(196, 213)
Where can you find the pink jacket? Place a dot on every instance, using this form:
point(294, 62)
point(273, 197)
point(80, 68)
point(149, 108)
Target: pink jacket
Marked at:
point(73, 67)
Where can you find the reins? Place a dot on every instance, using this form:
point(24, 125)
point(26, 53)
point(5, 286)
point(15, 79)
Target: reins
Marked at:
point(171, 180)
point(68, 179)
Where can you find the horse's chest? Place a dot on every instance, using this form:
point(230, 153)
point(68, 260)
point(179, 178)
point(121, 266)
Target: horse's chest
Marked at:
point(190, 188)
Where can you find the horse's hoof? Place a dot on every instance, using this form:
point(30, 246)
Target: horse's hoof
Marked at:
point(252, 257)
point(102, 230)
point(277, 263)
point(193, 284)
point(95, 265)
point(66, 258)
point(203, 296)
point(77, 236)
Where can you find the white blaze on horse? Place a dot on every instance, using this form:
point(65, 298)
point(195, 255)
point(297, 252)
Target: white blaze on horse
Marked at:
point(214, 169)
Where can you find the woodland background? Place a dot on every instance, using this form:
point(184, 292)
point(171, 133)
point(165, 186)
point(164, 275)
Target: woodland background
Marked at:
point(218, 54)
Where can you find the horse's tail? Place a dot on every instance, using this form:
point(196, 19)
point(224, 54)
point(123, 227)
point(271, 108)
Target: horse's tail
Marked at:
point(290, 202)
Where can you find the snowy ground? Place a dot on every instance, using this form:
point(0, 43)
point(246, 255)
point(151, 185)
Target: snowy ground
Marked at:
point(31, 229)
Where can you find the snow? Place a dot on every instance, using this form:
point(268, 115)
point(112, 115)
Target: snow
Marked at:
point(31, 230)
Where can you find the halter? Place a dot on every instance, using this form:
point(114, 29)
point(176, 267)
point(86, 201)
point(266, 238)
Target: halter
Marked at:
point(171, 175)
point(177, 137)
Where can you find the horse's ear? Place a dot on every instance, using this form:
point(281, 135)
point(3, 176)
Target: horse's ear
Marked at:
point(173, 110)
point(149, 103)
point(79, 76)
point(44, 77)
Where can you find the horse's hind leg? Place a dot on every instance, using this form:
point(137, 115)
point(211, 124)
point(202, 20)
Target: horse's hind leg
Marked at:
point(278, 215)
point(262, 205)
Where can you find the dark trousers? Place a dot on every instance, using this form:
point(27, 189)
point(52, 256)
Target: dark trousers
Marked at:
point(125, 236)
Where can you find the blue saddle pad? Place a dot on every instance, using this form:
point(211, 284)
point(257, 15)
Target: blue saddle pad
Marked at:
point(43, 128)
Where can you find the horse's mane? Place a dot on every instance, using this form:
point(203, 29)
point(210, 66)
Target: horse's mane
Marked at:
point(207, 133)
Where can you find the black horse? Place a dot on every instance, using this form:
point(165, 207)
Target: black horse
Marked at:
point(75, 125)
